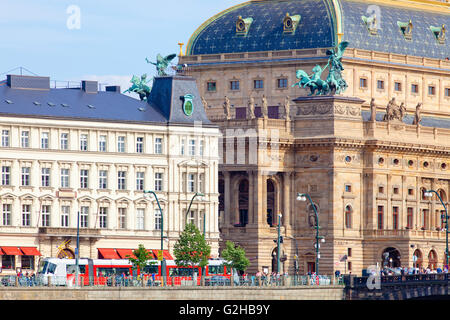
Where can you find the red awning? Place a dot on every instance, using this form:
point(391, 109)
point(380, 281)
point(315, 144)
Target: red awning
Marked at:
point(155, 253)
point(30, 251)
point(107, 253)
point(123, 253)
point(1, 252)
point(167, 255)
point(12, 251)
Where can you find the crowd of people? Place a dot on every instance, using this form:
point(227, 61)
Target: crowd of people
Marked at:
point(403, 271)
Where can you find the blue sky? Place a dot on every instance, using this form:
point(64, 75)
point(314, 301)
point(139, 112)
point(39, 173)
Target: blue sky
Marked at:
point(112, 42)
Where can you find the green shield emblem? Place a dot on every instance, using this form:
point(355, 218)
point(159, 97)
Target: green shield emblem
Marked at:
point(188, 104)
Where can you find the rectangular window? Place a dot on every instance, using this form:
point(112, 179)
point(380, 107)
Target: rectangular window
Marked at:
point(431, 90)
point(349, 252)
point(192, 147)
point(122, 223)
point(140, 181)
point(258, 84)
point(425, 219)
point(64, 141)
point(158, 220)
point(45, 216)
point(140, 215)
point(282, 83)
point(396, 190)
point(103, 179)
point(102, 144)
point(121, 180)
point(84, 142)
point(410, 192)
point(211, 86)
point(447, 92)
point(44, 140)
point(25, 178)
point(395, 218)
point(234, 85)
point(380, 84)
point(45, 177)
point(191, 217)
point(64, 178)
point(5, 138)
point(398, 86)
point(6, 214)
point(121, 144)
point(27, 262)
point(26, 215)
point(183, 147)
point(158, 145)
point(409, 217)
point(84, 179)
point(380, 217)
point(201, 183)
point(381, 190)
point(103, 217)
point(8, 262)
point(139, 144)
point(191, 182)
point(348, 188)
point(415, 88)
point(84, 217)
point(6, 176)
point(65, 211)
point(158, 181)
point(25, 139)
point(362, 82)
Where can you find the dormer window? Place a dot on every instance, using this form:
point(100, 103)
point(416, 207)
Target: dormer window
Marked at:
point(243, 26)
point(439, 33)
point(406, 29)
point(371, 23)
point(290, 23)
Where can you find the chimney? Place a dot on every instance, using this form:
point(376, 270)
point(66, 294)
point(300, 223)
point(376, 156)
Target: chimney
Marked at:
point(28, 82)
point(89, 86)
point(113, 89)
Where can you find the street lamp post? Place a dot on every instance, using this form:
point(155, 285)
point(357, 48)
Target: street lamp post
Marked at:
point(303, 197)
point(163, 262)
point(77, 253)
point(197, 194)
point(279, 244)
point(429, 193)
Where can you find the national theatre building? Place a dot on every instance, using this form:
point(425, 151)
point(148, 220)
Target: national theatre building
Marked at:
point(365, 144)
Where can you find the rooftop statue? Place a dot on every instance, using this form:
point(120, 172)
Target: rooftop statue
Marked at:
point(140, 87)
point(334, 81)
point(162, 63)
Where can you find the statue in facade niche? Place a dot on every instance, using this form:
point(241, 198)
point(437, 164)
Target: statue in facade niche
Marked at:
point(227, 108)
point(287, 108)
point(373, 110)
point(418, 116)
point(334, 81)
point(264, 108)
point(251, 108)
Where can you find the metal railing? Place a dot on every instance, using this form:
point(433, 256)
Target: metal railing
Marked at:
point(150, 281)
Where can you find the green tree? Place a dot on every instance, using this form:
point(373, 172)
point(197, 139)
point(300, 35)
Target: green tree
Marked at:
point(141, 258)
point(191, 248)
point(234, 255)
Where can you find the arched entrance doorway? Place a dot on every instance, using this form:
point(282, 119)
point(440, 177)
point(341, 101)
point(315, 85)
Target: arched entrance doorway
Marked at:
point(418, 259)
point(432, 260)
point(271, 218)
point(66, 253)
point(243, 203)
point(391, 258)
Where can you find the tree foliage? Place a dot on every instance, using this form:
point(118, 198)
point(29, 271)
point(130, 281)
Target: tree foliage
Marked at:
point(191, 248)
point(141, 257)
point(234, 255)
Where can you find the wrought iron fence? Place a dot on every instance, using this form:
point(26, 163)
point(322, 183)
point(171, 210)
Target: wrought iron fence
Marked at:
point(150, 281)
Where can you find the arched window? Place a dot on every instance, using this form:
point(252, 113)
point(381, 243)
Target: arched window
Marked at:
point(432, 260)
point(348, 216)
point(442, 194)
point(422, 193)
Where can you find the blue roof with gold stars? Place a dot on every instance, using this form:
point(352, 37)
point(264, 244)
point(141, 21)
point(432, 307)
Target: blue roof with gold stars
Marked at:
point(317, 28)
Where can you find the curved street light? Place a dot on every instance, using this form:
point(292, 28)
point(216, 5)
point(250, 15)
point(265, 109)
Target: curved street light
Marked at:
point(304, 197)
point(429, 194)
point(201, 195)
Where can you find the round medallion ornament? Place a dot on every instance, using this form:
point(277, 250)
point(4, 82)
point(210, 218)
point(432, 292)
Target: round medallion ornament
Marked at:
point(188, 105)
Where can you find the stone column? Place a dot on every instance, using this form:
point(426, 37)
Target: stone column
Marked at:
point(286, 199)
point(251, 197)
point(262, 198)
point(227, 198)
